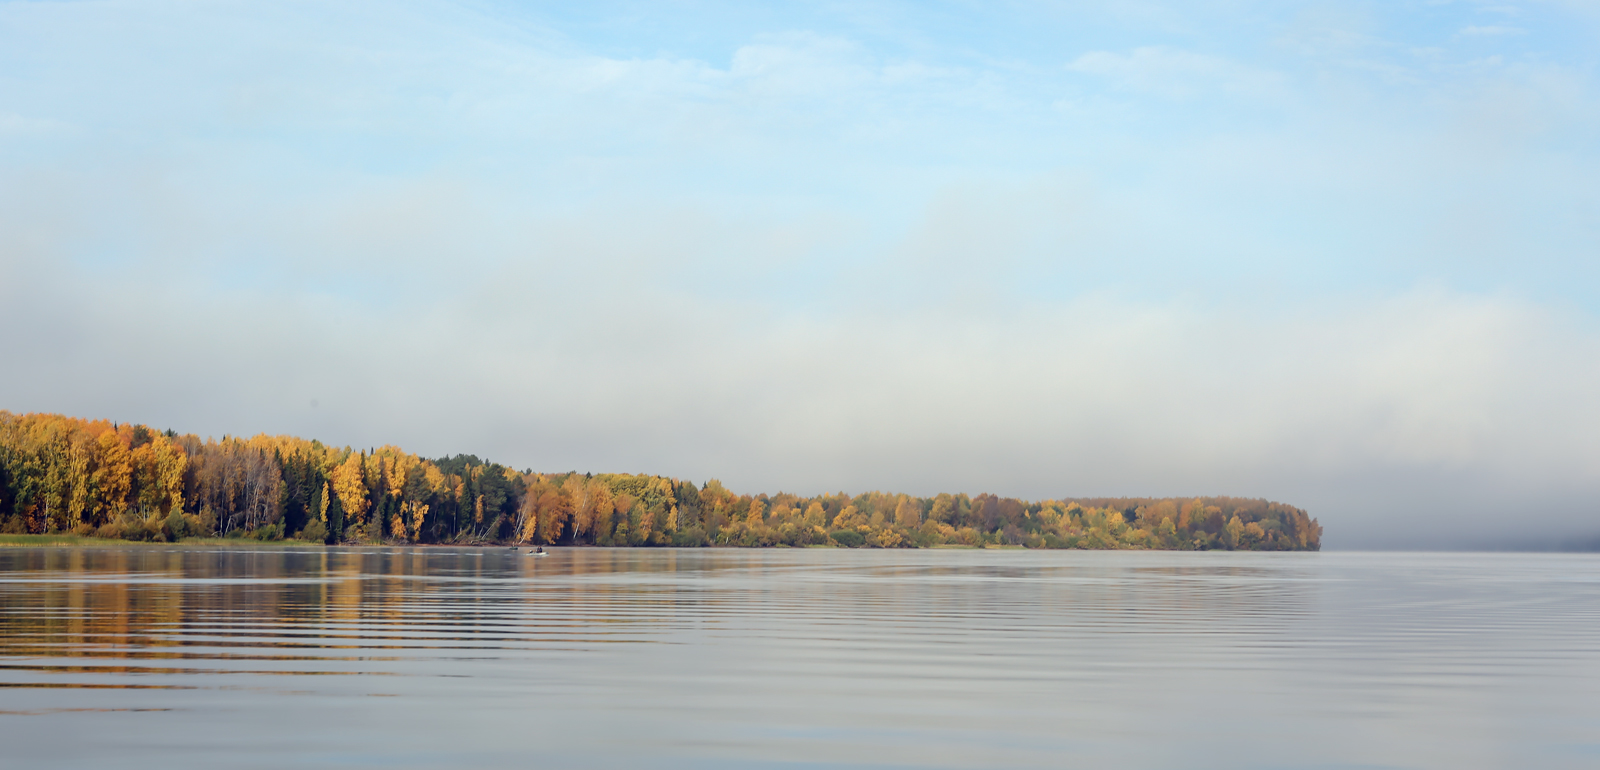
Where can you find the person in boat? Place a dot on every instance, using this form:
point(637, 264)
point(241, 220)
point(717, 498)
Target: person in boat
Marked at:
point(539, 550)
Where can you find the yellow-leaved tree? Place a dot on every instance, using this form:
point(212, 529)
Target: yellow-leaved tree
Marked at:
point(350, 486)
point(546, 508)
point(592, 504)
point(116, 474)
point(849, 518)
point(402, 469)
point(907, 513)
point(158, 474)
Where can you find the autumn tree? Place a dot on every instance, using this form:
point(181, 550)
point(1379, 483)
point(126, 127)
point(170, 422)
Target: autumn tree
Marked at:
point(119, 480)
point(907, 513)
point(349, 486)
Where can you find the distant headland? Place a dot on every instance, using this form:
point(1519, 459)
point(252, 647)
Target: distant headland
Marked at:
point(96, 478)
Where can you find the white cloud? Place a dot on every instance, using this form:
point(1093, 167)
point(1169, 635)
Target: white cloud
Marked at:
point(804, 62)
point(1176, 73)
point(12, 123)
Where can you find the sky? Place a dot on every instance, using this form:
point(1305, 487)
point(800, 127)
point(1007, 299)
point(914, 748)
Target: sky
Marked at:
point(1344, 255)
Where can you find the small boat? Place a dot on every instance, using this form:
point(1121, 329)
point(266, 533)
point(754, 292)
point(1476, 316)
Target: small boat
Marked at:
point(538, 552)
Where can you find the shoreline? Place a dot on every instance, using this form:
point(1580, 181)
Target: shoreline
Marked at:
point(87, 541)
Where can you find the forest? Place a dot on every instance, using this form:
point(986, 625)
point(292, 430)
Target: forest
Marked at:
point(102, 479)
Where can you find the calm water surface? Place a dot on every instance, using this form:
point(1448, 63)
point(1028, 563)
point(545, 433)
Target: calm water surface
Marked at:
point(164, 657)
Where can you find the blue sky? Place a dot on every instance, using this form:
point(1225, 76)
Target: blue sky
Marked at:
point(1338, 254)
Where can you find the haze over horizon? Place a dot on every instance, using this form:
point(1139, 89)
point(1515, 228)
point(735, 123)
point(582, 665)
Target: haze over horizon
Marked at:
point(1340, 255)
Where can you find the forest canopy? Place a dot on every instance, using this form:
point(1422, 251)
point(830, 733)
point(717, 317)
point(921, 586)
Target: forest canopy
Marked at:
point(97, 478)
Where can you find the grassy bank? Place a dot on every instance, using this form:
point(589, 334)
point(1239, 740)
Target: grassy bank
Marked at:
point(39, 541)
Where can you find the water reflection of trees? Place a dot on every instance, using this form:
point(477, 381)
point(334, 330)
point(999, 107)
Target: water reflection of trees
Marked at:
point(120, 611)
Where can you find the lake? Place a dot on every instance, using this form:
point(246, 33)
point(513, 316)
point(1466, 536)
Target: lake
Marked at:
point(207, 656)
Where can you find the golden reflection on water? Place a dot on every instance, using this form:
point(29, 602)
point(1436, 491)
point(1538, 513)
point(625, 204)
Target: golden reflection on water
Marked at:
point(103, 614)
point(112, 611)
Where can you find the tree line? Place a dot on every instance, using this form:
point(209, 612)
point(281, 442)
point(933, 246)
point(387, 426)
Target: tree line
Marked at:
point(104, 479)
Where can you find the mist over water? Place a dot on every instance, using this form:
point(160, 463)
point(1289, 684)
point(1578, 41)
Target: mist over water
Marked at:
point(796, 658)
point(1339, 255)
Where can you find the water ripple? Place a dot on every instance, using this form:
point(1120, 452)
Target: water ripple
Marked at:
point(797, 658)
